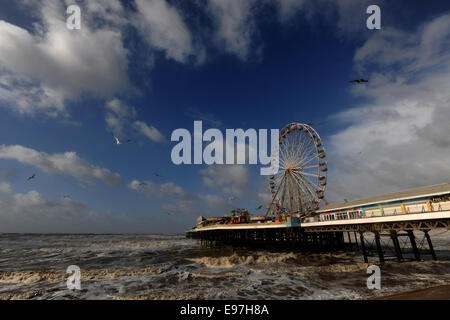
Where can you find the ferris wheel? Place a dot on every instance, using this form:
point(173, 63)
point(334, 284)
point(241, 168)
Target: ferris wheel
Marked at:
point(299, 185)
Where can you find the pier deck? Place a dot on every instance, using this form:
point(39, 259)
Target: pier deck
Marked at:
point(329, 235)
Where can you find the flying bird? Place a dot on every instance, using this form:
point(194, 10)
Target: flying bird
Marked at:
point(32, 177)
point(158, 175)
point(65, 196)
point(231, 198)
point(140, 184)
point(359, 81)
point(315, 124)
point(259, 207)
point(119, 142)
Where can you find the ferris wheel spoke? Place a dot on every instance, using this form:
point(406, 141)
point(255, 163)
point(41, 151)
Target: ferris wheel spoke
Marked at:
point(308, 144)
point(316, 156)
point(314, 187)
point(309, 167)
point(309, 174)
point(307, 192)
point(299, 176)
point(312, 190)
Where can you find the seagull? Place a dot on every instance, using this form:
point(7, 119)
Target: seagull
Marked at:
point(142, 184)
point(65, 196)
point(32, 177)
point(158, 175)
point(118, 142)
point(359, 80)
point(259, 207)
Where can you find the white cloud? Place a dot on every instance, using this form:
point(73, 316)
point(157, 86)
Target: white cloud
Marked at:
point(121, 109)
point(163, 28)
point(41, 69)
point(177, 201)
point(235, 23)
point(118, 115)
point(34, 212)
point(110, 11)
point(234, 178)
point(152, 190)
point(288, 8)
point(399, 139)
point(352, 16)
point(149, 131)
point(5, 188)
point(409, 51)
point(68, 163)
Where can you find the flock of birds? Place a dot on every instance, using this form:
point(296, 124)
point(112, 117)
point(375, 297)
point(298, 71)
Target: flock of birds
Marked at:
point(118, 142)
point(142, 184)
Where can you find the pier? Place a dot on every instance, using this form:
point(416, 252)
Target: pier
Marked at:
point(389, 227)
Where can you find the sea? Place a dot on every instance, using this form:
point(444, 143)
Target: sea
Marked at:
point(163, 267)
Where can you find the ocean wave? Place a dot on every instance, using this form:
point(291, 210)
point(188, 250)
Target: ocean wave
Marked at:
point(235, 259)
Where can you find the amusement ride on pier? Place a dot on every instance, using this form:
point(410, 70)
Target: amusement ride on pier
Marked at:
point(294, 219)
point(299, 185)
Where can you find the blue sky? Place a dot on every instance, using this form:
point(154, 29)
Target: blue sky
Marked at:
point(145, 68)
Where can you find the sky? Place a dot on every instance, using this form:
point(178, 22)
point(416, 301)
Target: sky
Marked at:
point(142, 69)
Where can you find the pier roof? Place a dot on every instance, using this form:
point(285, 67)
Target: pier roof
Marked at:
point(434, 190)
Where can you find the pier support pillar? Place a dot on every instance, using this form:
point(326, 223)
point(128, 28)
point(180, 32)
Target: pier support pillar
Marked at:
point(356, 241)
point(341, 241)
point(315, 241)
point(430, 244)
point(412, 238)
point(398, 250)
point(379, 248)
point(363, 247)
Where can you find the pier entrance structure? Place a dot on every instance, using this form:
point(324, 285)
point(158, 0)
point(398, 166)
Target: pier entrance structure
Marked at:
point(299, 185)
point(394, 225)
